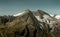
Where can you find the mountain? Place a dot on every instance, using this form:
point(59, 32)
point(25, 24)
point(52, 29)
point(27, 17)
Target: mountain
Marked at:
point(26, 19)
point(31, 24)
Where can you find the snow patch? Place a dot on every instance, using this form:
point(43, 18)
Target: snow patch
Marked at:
point(39, 19)
point(57, 16)
point(19, 14)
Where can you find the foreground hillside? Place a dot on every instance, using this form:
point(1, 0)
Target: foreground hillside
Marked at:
point(30, 24)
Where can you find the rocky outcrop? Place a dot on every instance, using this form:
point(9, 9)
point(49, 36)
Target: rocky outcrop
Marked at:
point(5, 19)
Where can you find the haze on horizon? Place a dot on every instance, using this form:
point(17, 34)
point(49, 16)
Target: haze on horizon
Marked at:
point(10, 7)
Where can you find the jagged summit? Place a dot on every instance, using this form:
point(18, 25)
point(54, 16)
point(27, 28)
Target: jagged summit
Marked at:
point(37, 13)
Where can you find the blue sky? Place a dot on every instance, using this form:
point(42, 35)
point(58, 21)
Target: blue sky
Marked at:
point(10, 7)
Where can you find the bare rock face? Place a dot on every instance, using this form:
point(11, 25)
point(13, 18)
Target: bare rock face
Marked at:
point(31, 24)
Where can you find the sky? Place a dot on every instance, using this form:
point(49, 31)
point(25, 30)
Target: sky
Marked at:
point(11, 7)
